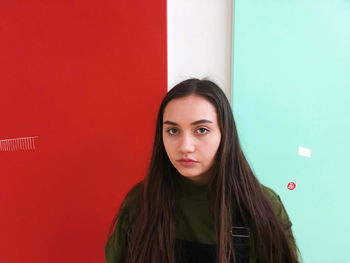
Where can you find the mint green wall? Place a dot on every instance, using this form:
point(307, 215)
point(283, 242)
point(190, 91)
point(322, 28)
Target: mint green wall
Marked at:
point(291, 88)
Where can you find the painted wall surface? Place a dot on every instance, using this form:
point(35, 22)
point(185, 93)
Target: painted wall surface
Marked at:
point(79, 76)
point(199, 41)
point(291, 88)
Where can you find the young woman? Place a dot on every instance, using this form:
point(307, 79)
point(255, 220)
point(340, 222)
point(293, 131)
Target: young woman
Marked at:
point(200, 201)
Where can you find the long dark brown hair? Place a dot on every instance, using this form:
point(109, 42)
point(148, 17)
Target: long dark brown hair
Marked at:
point(149, 234)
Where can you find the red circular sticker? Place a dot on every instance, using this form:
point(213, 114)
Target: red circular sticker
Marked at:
point(291, 186)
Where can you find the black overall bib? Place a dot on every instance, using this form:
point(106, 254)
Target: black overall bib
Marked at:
point(194, 252)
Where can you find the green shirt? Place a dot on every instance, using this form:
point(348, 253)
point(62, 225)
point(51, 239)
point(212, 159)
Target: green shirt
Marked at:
point(196, 223)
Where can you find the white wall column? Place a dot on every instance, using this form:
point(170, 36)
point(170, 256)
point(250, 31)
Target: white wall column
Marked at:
point(199, 41)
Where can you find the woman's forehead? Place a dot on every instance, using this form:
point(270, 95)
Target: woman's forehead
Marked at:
point(189, 109)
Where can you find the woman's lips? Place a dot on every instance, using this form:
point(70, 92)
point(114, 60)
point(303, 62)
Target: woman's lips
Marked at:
point(187, 163)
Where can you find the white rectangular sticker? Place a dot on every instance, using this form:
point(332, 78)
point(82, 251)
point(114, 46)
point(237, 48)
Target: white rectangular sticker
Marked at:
point(304, 152)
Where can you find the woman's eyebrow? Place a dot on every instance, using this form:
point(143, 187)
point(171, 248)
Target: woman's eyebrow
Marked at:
point(193, 123)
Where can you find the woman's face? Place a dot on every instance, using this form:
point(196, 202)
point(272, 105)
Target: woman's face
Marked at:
point(191, 132)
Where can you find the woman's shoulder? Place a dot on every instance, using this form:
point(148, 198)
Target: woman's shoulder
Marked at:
point(270, 193)
point(133, 197)
point(277, 205)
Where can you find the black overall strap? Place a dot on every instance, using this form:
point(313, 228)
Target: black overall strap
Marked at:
point(241, 238)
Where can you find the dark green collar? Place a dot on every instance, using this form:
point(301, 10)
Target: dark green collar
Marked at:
point(193, 190)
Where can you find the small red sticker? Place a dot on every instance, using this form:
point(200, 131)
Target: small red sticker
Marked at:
point(291, 185)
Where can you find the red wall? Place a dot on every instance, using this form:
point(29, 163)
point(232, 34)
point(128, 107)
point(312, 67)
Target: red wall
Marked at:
point(86, 77)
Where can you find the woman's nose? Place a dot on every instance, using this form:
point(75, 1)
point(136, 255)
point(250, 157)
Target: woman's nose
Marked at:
point(187, 143)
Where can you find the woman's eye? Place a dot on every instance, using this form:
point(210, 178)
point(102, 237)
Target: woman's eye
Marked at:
point(203, 130)
point(171, 131)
